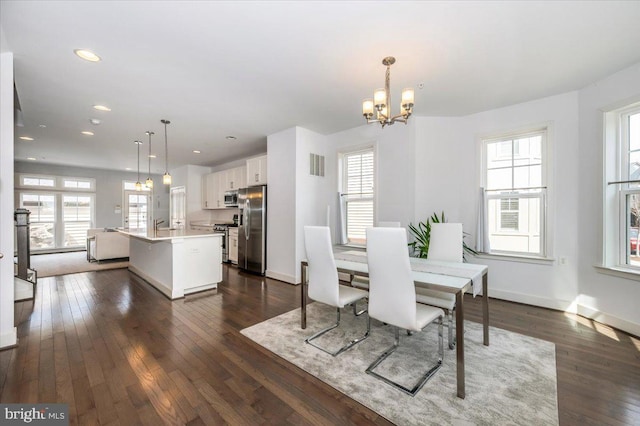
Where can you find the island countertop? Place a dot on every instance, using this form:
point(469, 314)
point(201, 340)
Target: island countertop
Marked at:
point(169, 234)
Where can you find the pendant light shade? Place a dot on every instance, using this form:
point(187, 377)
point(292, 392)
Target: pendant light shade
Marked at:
point(166, 178)
point(149, 181)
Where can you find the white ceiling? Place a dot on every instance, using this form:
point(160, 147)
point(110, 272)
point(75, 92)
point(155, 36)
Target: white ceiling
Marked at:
point(250, 69)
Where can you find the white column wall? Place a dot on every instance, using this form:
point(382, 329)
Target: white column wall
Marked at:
point(609, 299)
point(281, 206)
point(8, 331)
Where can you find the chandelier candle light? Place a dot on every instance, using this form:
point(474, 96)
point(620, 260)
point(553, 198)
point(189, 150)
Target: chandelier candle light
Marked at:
point(138, 184)
point(382, 99)
point(166, 178)
point(149, 182)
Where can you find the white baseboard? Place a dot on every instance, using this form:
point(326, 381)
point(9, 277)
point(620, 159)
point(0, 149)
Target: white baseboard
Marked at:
point(568, 306)
point(608, 319)
point(22, 290)
point(9, 339)
point(290, 279)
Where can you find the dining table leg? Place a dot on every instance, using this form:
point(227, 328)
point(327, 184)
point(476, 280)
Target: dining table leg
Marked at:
point(485, 309)
point(303, 296)
point(460, 343)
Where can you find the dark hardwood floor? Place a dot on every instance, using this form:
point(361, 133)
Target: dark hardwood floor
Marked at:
point(119, 352)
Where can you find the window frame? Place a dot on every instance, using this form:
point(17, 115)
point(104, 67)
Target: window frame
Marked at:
point(343, 182)
point(545, 130)
point(616, 251)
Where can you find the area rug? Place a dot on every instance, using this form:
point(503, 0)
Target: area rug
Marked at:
point(49, 265)
point(510, 382)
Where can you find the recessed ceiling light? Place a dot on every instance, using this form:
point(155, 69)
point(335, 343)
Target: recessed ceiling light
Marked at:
point(195, 151)
point(26, 138)
point(231, 138)
point(88, 133)
point(95, 121)
point(42, 125)
point(101, 108)
point(87, 55)
point(152, 156)
point(31, 158)
point(127, 168)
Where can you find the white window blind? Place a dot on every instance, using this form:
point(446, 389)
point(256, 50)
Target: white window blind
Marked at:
point(358, 169)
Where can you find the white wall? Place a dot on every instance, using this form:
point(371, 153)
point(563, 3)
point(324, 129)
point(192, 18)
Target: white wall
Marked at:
point(311, 195)
point(281, 206)
point(8, 332)
point(448, 179)
point(610, 299)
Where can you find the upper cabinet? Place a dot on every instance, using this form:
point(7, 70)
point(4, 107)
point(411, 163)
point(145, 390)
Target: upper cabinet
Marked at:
point(216, 184)
point(235, 179)
point(257, 171)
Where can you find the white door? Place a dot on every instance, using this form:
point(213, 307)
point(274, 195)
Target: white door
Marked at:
point(136, 210)
point(178, 207)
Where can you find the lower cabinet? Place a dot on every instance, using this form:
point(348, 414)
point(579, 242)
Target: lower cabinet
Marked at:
point(233, 245)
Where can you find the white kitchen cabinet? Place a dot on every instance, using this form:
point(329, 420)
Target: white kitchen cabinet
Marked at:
point(233, 245)
point(257, 171)
point(209, 191)
point(235, 178)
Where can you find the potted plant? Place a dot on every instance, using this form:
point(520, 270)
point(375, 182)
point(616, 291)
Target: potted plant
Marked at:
point(422, 235)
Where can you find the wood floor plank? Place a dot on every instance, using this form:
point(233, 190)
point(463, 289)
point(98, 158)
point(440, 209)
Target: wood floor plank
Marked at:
point(119, 352)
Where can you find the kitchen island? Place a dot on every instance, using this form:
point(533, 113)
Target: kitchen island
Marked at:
point(176, 262)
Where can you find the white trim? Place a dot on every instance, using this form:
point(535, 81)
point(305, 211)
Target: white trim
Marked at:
point(516, 258)
point(9, 339)
point(567, 306)
point(289, 279)
point(619, 271)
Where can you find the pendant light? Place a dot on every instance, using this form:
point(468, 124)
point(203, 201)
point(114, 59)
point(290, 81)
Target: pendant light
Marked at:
point(138, 184)
point(382, 102)
point(149, 181)
point(166, 178)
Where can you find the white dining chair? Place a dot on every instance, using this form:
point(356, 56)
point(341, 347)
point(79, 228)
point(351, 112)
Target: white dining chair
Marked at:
point(445, 244)
point(363, 282)
point(324, 285)
point(392, 297)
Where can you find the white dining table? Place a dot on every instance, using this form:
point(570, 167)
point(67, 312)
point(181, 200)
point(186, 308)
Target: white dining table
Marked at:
point(450, 277)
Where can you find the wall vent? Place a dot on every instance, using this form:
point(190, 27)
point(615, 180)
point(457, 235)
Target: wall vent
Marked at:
point(316, 165)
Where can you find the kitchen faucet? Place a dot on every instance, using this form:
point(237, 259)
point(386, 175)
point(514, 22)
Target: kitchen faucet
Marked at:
point(157, 222)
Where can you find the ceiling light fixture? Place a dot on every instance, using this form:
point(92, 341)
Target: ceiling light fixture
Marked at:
point(31, 158)
point(87, 133)
point(149, 181)
point(101, 108)
point(195, 151)
point(382, 99)
point(42, 126)
point(95, 121)
point(166, 178)
point(87, 55)
point(231, 138)
point(138, 184)
point(26, 138)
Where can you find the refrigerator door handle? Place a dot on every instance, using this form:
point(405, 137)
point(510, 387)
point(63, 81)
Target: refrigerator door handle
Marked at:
point(245, 218)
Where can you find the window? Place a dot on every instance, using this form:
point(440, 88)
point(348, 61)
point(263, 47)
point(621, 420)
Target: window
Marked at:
point(622, 195)
point(59, 218)
point(357, 194)
point(515, 184)
point(42, 219)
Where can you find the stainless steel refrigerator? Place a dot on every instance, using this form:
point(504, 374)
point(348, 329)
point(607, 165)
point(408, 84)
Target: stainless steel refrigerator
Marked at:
point(252, 229)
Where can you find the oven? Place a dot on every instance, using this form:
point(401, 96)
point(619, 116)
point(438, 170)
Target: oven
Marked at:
point(224, 229)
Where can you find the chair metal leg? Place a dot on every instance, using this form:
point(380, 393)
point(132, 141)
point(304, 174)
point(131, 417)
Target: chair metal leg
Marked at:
point(344, 348)
point(355, 310)
point(452, 341)
point(425, 377)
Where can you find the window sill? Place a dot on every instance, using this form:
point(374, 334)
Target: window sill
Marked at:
point(619, 271)
point(346, 247)
point(515, 258)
